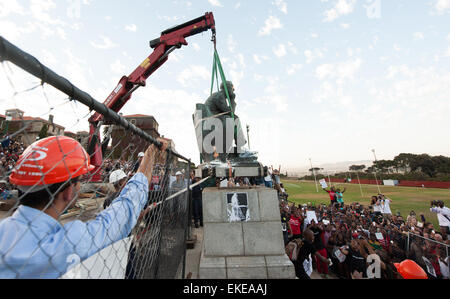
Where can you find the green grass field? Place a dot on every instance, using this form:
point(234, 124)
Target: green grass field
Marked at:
point(404, 199)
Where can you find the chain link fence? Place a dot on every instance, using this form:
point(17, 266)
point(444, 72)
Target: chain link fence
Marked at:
point(62, 224)
point(433, 256)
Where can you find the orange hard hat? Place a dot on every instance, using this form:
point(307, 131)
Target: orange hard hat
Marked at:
point(50, 161)
point(408, 269)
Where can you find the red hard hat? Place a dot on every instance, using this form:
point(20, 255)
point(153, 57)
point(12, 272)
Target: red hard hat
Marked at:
point(50, 161)
point(408, 269)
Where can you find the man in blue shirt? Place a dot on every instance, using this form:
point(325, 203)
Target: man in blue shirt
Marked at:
point(33, 243)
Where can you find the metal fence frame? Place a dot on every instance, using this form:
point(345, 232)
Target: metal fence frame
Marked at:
point(30, 64)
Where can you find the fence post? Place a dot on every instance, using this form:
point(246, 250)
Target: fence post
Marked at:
point(407, 243)
point(448, 259)
point(187, 234)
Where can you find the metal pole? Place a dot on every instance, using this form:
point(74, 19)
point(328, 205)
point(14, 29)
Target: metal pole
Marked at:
point(359, 182)
point(314, 173)
point(407, 243)
point(448, 258)
point(329, 179)
point(187, 234)
point(375, 168)
point(248, 136)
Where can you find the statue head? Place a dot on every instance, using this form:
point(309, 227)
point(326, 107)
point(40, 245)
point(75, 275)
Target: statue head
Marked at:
point(230, 89)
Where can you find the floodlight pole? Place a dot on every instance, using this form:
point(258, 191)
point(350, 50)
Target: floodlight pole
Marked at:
point(375, 168)
point(359, 182)
point(314, 173)
point(329, 180)
point(248, 137)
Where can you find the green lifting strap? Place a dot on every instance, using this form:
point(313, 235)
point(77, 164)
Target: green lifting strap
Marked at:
point(217, 68)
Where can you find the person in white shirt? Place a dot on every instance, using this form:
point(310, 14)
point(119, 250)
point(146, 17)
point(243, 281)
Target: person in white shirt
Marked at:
point(268, 179)
point(376, 204)
point(386, 206)
point(443, 214)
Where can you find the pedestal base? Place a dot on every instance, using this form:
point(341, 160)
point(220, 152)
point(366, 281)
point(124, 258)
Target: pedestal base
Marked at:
point(250, 247)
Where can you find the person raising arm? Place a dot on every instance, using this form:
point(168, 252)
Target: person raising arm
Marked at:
point(33, 243)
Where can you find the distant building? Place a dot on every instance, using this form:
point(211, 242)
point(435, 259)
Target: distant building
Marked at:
point(83, 138)
point(2, 121)
point(29, 128)
point(70, 134)
point(125, 146)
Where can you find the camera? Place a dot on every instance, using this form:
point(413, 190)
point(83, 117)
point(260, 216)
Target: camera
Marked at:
point(437, 203)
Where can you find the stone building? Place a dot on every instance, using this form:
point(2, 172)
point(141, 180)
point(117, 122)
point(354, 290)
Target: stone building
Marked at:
point(28, 128)
point(125, 146)
point(83, 138)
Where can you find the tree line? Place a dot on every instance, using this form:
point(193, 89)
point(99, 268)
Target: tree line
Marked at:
point(403, 167)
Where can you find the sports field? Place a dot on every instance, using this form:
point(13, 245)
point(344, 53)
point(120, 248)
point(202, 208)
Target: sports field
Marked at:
point(404, 199)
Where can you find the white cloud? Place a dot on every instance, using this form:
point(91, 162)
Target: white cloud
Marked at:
point(231, 43)
point(281, 5)
point(339, 71)
point(193, 74)
point(168, 18)
point(271, 24)
point(447, 53)
point(106, 45)
point(311, 55)
point(423, 88)
point(418, 35)
point(259, 58)
point(442, 6)
point(215, 3)
point(341, 8)
point(8, 7)
point(196, 47)
point(118, 68)
point(131, 28)
point(273, 95)
point(280, 51)
point(291, 70)
point(241, 59)
point(12, 32)
point(292, 48)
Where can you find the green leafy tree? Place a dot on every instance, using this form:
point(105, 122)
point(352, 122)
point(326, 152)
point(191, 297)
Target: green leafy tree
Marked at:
point(357, 167)
point(44, 132)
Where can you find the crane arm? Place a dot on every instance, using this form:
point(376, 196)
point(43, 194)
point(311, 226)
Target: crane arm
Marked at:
point(170, 40)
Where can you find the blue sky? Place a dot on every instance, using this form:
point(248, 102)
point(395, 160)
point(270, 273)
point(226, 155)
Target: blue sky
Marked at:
point(322, 79)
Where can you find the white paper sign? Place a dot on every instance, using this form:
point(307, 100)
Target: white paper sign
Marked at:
point(307, 265)
point(326, 222)
point(323, 183)
point(310, 216)
point(339, 255)
point(379, 236)
point(430, 268)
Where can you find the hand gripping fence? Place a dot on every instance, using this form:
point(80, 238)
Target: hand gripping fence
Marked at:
point(115, 229)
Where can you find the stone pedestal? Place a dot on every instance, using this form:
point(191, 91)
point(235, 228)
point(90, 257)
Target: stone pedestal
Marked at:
point(250, 248)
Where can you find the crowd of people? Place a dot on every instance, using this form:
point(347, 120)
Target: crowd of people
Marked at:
point(344, 240)
point(10, 151)
point(338, 239)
